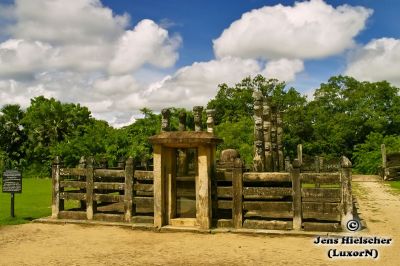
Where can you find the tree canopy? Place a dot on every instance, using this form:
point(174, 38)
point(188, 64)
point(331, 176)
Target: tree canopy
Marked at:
point(345, 117)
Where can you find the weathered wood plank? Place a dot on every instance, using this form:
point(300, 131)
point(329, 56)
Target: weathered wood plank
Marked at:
point(143, 187)
point(224, 175)
point(144, 201)
point(108, 198)
point(225, 204)
point(55, 195)
point(186, 192)
point(321, 227)
point(224, 223)
point(321, 178)
point(321, 211)
point(237, 199)
point(269, 214)
point(90, 205)
point(109, 185)
point(346, 210)
point(107, 217)
point(73, 184)
point(321, 194)
point(224, 192)
point(266, 176)
point(143, 175)
point(72, 171)
point(267, 206)
point(73, 215)
point(72, 196)
point(268, 225)
point(266, 192)
point(128, 191)
point(183, 222)
point(143, 219)
point(189, 178)
point(144, 193)
point(109, 173)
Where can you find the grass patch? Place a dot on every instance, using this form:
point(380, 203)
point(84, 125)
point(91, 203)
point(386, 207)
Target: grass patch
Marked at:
point(34, 202)
point(395, 185)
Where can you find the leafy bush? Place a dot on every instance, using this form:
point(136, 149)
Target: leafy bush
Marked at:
point(367, 156)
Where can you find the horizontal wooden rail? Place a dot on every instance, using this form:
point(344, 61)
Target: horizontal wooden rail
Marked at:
point(321, 194)
point(321, 211)
point(109, 185)
point(72, 196)
point(72, 172)
point(266, 177)
point(72, 184)
point(320, 178)
point(143, 175)
point(108, 198)
point(265, 192)
point(109, 173)
point(224, 192)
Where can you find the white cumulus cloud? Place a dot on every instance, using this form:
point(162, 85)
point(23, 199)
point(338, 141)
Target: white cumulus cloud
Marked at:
point(283, 69)
point(378, 60)
point(309, 29)
point(196, 84)
point(146, 43)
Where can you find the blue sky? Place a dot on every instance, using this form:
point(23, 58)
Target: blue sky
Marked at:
point(119, 56)
point(199, 22)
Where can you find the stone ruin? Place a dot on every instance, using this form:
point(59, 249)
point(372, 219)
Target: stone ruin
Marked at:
point(268, 135)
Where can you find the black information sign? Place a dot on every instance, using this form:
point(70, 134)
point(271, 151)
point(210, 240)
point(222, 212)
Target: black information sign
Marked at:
point(12, 181)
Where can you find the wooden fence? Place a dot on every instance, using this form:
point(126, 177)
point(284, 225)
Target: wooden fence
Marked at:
point(85, 192)
point(390, 169)
point(294, 200)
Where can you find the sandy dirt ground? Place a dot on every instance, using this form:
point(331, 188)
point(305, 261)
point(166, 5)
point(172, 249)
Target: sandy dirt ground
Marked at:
point(51, 244)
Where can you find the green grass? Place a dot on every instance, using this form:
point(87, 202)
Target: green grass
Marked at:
point(34, 202)
point(395, 184)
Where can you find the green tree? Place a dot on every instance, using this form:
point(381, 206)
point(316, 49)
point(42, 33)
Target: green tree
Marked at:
point(12, 136)
point(344, 111)
point(46, 123)
point(235, 105)
point(367, 156)
point(139, 132)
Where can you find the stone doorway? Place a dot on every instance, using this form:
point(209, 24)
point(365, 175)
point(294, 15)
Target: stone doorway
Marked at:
point(169, 205)
point(185, 183)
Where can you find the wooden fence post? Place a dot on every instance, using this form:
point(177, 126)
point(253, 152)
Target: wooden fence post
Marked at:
point(347, 199)
point(55, 176)
point(89, 189)
point(82, 164)
point(237, 186)
point(296, 186)
point(128, 196)
point(300, 153)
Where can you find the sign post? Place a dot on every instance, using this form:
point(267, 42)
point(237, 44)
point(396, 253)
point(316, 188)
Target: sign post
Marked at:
point(12, 183)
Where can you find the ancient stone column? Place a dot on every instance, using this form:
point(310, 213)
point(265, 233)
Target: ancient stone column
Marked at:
point(274, 139)
point(258, 132)
point(210, 120)
point(279, 140)
point(197, 113)
point(182, 121)
point(165, 113)
point(258, 162)
point(267, 136)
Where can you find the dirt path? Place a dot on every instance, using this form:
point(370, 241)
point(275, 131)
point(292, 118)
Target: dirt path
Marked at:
point(45, 244)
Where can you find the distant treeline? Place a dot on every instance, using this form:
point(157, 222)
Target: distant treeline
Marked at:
point(345, 117)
